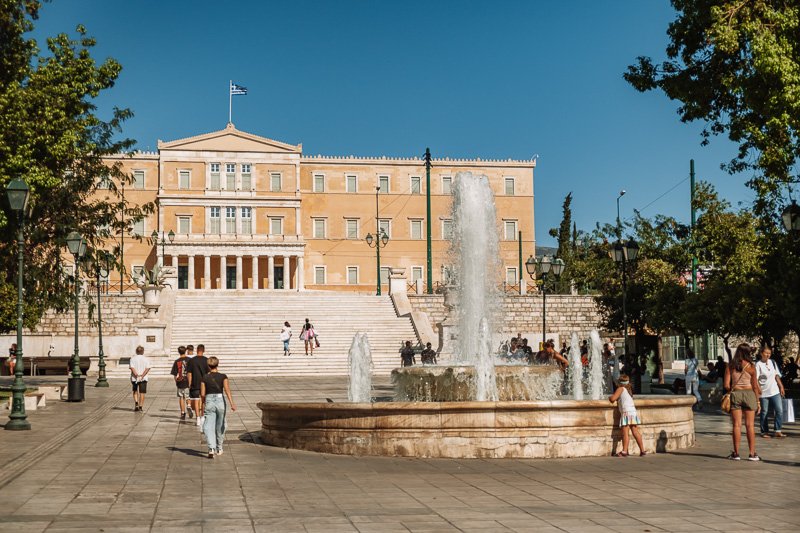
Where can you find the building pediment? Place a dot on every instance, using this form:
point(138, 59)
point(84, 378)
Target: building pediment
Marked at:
point(230, 140)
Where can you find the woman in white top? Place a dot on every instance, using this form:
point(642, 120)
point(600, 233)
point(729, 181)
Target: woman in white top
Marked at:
point(628, 418)
point(286, 334)
point(692, 377)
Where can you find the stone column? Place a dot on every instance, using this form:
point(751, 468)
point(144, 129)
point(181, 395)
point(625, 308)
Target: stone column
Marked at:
point(191, 284)
point(254, 270)
point(175, 262)
point(206, 272)
point(222, 261)
point(271, 272)
point(286, 272)
point(238, 271)
point(300, 282)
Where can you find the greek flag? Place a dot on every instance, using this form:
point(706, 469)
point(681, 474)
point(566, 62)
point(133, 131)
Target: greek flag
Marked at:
point(238, 89)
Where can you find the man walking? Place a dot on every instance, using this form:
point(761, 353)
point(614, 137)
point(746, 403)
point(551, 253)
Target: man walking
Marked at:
point(407, 357)
point(772, 392)
point(428, 355)
point(140, 367)
point(181, 375)
point(198, 368)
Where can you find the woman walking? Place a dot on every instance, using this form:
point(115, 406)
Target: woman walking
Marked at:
point(741, 381)
point(286, 334)
point(692, 374)
point(213, 390)
point(307, 334)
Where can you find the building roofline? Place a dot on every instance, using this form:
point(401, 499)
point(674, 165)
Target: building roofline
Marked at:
point(229, 129)
point(417, 161)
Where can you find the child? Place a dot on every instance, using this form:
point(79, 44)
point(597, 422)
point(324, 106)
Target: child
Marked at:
point(628, 415)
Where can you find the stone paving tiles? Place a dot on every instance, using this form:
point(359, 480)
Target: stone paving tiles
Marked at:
point(127, 471)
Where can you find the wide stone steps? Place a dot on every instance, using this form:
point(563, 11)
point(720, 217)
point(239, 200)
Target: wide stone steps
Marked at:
point(242, 328)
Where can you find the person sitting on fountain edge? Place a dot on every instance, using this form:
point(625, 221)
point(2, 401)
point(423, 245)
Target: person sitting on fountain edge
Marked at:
point(428, 355)
point(549, 356)
point(407, 357)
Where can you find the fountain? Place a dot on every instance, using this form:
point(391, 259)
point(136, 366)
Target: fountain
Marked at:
point(475, 408)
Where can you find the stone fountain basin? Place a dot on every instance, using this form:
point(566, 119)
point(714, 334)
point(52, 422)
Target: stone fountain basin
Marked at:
point(532, 429)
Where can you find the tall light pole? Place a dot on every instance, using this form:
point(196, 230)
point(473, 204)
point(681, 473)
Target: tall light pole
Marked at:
point(380, 240)
point(619, 221)
point(162, 240)
point(542, 269)
point(101, 269)
point(17, 192)
point(623, 254)
point(75, 389)
point(429, 276)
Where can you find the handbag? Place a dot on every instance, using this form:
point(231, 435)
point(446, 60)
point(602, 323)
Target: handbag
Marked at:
point(725, 404)
point(316, 341)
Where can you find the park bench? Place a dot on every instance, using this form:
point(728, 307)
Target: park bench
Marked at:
point(53, 365)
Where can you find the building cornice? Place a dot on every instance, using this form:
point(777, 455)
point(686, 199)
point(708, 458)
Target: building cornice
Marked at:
point(418, 162)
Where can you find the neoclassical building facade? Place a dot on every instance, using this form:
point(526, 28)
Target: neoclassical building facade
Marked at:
point(248, 212)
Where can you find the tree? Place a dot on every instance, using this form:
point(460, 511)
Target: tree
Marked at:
point(51, 135)
point(736, 66)
point(565, 246)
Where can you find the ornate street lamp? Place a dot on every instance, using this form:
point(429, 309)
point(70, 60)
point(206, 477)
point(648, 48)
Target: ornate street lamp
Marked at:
point(624, 254)
point(542, 269)
point(380, 240)
point(101, 269)
point(75, 388)
point(791, 218)
point(17, 192)
point(163, 241)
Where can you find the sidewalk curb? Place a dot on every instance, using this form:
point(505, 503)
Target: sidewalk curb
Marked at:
point(16, 467)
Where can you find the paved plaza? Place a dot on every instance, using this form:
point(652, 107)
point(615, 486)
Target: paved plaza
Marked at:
point(99, 466)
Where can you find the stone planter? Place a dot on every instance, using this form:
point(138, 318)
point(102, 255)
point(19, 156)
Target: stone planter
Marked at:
point(152, 299)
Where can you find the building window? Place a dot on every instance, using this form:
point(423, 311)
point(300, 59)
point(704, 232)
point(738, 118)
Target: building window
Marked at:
point(230, 176)
point(184, 179)
point(416, 273)
point(319, 275)
point(214, 218)
point(447, 229)
point(247, 220)
point(385, 226)
point(214, 185)
point(383, 183)
point(184, 225)
point(384, 275)
point(416, 229)
point(230, 220)
point(352, 275)
point(319, 228)
point(104, 182)
point(319, 182)
point(510, 230)
point(509, 186)
point(138, 228)
point(447, 185)
point(275, 181)
point(416, 185)
point(351, 226)
point(138, 179)
point(247, 177)
point(511, 276)
point(276, 226)
point(351, 183)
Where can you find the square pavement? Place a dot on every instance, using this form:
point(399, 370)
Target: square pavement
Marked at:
point(99, 466)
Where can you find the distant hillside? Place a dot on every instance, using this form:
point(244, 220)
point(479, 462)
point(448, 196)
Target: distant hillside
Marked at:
point(545, 250)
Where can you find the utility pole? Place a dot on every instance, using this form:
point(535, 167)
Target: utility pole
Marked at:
point(519, 276)
point(429, 276)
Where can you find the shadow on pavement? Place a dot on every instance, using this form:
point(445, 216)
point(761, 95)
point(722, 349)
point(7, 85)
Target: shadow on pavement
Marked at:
point(187, 451)
point(744, 459)
point(253, 437)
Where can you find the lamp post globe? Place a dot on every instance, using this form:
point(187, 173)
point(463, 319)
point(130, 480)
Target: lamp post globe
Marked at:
point(18, 192)
point(791, 217)
point(171, 236)
point(631, 250)
point(530, 266)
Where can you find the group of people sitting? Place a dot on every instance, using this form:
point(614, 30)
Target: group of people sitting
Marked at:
point(517, 349)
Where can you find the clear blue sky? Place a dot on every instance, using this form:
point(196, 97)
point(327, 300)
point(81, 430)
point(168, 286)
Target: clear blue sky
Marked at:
point(468, 79)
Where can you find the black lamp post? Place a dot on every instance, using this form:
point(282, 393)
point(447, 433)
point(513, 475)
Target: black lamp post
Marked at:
point(791, 218)
point(17, 193)
point(101, 269)
point(380, 240)
point(163, 241)
point(75, 387)
point(624, 254)
point(542, 269)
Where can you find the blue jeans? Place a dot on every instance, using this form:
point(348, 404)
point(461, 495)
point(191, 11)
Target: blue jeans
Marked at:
point(774, 403)
point(214, 426)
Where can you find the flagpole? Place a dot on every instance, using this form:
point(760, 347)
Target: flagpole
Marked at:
point(230, 102)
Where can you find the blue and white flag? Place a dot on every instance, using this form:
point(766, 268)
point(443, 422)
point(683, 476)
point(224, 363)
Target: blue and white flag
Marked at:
point(238, 89)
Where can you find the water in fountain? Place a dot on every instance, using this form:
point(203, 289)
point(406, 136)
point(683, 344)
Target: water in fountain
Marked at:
point(596, 379)
point(575, 368)
point(485, 378)
point(475, 253)
point(360, 361)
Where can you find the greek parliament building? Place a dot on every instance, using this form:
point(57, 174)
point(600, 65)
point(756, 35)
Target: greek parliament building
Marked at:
point(248, 212)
